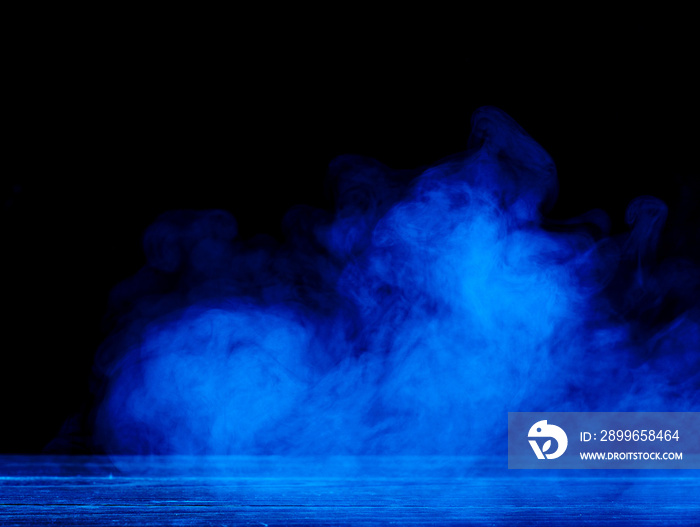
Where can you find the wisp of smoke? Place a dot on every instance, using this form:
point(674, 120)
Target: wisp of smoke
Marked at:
point(409, 321)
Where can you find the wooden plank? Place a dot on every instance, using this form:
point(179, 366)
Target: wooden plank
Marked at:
point(339, 491)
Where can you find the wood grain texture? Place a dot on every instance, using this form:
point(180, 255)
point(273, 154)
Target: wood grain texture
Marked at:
point(46, 490)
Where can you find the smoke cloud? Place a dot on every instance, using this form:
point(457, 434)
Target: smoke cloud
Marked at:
point(410, 320)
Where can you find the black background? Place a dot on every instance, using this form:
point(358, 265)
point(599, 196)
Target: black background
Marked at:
point(118, 117)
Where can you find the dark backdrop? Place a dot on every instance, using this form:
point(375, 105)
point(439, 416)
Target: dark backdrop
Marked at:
point(118, 117)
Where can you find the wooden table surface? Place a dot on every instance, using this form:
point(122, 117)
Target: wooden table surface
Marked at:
point(40, 490)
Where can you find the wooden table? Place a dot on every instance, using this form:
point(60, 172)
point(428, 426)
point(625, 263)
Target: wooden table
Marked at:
point(333, 491)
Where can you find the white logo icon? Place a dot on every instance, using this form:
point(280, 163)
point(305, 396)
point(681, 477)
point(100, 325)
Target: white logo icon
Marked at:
point(542, 429)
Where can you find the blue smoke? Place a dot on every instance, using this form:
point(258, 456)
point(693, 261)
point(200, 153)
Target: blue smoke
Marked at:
point(409, 321)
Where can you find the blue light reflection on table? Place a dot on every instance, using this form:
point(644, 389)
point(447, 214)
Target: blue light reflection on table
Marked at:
point(249, 490)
